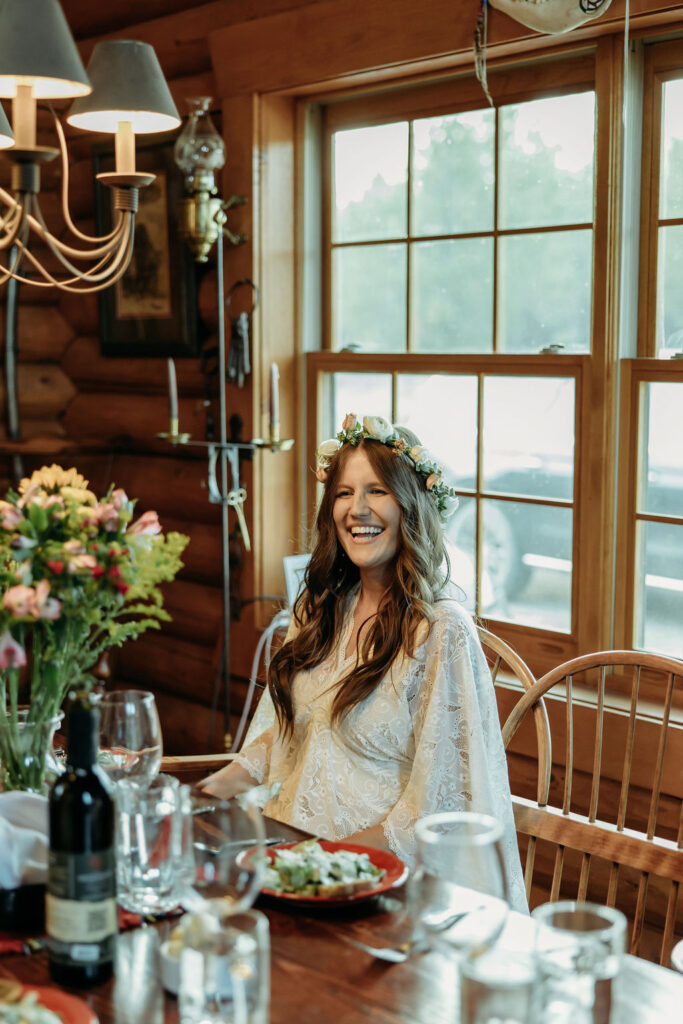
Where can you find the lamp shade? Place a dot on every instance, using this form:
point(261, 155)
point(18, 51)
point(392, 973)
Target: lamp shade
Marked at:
point(6, 137)
point(37, 48)
point(128, 85)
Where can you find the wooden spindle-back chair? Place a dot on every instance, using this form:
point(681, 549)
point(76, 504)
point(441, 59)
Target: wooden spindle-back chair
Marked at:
point(505, 663)
point(612, 827)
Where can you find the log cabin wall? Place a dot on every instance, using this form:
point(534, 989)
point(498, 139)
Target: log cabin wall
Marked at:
point(102, 414)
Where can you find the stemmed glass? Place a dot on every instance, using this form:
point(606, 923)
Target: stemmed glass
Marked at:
point(130, 736)
point(458, 891)
point(226, 861)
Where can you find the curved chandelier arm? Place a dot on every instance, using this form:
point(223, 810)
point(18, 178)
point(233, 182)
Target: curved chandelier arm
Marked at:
point(16, 221)
point(115, 270)
point(58, 247)
point(65, 190)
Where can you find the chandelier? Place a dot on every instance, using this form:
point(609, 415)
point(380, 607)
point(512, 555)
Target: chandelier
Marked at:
point(123, 93)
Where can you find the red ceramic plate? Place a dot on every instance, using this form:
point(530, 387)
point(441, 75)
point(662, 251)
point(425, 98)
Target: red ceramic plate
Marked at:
point(395, 873)
point(70, 1008)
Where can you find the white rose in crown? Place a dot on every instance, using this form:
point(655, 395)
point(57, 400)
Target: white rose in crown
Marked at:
point(328, 449)
point(418, 453)
point(377, 427)
point(449, 503)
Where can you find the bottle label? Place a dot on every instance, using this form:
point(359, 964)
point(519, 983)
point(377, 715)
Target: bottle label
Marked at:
point(80, 906)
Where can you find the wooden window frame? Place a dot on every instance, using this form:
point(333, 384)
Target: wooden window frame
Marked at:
point(663, 63)
point(598, 66)
point(634, 373)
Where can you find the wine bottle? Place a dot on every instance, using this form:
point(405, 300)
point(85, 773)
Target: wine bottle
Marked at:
point(80, 904)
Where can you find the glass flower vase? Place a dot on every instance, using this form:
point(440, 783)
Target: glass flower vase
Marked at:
point(27, 760)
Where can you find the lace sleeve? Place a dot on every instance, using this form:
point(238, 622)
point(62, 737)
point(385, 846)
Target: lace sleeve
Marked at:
point(459, 761)
point(255, 756)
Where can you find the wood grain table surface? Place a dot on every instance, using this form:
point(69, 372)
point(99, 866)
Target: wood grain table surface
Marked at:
point(317, 978)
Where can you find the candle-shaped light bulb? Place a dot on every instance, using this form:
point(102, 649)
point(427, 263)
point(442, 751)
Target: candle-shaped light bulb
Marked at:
point(172, 400)
point(274, 402)
point(124, 148)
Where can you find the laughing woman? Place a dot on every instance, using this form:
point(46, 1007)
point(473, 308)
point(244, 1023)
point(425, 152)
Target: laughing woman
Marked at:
point(380, 707)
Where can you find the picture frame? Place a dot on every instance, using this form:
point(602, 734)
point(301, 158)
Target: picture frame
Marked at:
point(152, 310)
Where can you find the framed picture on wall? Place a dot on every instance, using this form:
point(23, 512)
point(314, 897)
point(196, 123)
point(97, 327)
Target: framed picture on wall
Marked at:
point(152, 310)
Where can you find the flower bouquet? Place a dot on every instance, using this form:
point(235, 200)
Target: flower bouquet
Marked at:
point(77, 576)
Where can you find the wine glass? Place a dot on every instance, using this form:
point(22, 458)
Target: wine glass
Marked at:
point(130, 736)
point(458, 891)
point(227, 853)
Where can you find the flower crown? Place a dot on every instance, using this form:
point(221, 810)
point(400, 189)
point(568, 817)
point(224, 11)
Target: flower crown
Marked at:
point(376, 428)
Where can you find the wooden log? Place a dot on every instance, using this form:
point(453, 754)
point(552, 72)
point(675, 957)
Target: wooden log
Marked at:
point(43, 333)
point(92, 371)
point(188, 727)
point(36, 428)
point(44, 391)
point(81, 311)
point(202, 556)
point(196, 611)
point(128, 419)
point(174, 487)
point(169, 664)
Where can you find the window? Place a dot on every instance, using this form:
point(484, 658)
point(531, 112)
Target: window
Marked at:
point(470, 292)
point(465, 232)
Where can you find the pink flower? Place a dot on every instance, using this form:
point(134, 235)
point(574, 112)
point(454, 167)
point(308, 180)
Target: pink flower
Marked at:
point(321, 474)
point(12, 654)
point(74, 547)
point(108, 516)
point(119, 498)
point(148, 523)
point(349, 421)
point(47, 607)
point(11, 516)
point(21, 601)
point(432, 480)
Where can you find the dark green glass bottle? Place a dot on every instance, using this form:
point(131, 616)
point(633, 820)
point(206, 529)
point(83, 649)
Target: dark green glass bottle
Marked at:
point(80, 909)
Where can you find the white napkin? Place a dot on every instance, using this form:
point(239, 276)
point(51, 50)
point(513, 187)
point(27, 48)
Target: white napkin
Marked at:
point(23, 839)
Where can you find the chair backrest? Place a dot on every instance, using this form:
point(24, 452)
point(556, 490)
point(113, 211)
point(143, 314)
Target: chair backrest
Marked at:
point(505, 662)
point(612, 828)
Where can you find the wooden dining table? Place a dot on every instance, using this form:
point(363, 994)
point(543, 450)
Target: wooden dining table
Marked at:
point(319, 978)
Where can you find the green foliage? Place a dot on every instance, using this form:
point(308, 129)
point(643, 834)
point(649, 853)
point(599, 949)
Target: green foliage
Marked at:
point(77, 577)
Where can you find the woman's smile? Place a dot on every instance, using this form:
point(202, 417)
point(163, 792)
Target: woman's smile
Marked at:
point(367, 517)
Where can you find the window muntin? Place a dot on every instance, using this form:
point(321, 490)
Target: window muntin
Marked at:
point(669, 311)
point(474, 239)
point(658, 575)
point(511, 538)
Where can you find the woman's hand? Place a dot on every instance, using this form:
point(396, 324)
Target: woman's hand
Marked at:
point(228, 782)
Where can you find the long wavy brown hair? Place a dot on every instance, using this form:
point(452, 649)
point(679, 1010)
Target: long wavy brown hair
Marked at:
point(421, 571)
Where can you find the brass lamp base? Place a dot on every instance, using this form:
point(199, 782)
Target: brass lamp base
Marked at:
point(201, 217)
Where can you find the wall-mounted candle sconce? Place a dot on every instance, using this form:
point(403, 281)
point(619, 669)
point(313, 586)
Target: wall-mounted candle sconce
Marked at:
point(200, 152)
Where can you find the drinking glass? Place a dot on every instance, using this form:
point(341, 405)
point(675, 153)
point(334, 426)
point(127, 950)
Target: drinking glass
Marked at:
point(130, 736)
point(225, 975)
point(227, 839)
point(579, 948)
point(458, 891)
point(151, 855)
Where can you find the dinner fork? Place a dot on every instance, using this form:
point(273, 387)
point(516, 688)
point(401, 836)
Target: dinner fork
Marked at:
point(392, 954)
point(403, 951)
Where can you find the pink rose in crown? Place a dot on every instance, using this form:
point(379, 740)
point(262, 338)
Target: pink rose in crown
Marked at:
point(349, 421)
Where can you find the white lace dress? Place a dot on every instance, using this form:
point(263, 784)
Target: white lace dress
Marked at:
point(427, 739)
